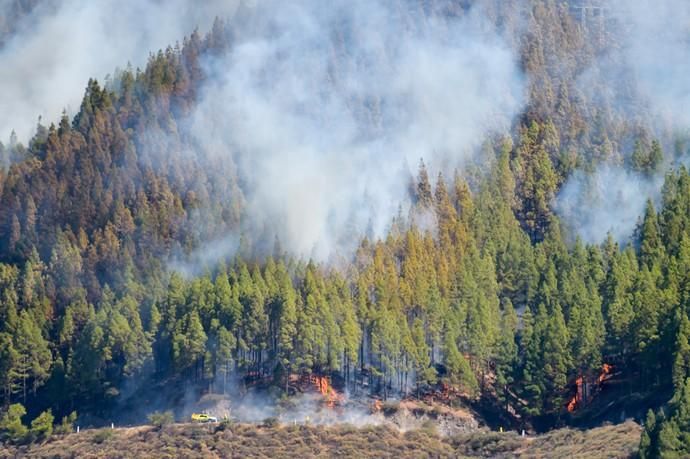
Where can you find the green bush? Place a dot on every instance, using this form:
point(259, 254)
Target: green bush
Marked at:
point(11, 427)
point(42, 426)
point(429, 427)
point(103, 435)
point(161, 418)
point(270, 422)
point(224, 424)
point(67, 424)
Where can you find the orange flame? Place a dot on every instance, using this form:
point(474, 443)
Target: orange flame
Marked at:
point(323, 386)
point(572, 405)
point(606, 371)
point(378, 406)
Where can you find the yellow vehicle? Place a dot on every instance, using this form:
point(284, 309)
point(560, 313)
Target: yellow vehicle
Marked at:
point(203, 417)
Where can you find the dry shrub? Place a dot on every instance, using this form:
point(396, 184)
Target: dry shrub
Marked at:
point(103, 435)
point(390, 407)
point(297, 442)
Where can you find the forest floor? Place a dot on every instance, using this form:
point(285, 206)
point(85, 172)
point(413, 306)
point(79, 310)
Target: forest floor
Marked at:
point(312, 441)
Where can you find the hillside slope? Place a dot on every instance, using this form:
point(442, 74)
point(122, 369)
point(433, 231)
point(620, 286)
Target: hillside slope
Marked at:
point(247, 440)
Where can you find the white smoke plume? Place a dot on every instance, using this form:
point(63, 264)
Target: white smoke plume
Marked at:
point(654, 56)
point(63, 43)
point(610, 200)
point(657, 49)
point(327, 107)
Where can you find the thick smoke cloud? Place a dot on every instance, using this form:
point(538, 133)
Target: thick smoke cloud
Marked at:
point(654, 55)
point(327, 107)
point(45, 65)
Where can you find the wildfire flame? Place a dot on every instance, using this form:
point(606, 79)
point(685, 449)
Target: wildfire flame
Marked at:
point(324, 387)
point(605, 373)
point(578, 395)
point(574, 402)
point(572, 405)
point(378, 406)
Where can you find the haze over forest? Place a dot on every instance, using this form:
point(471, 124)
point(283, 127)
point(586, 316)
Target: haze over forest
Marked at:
point(478, 200)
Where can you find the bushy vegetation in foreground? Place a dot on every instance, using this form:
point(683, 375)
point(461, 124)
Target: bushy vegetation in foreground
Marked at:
point(245, 440)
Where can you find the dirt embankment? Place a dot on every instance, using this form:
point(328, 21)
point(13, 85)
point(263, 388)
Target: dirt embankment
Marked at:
point(411, 415)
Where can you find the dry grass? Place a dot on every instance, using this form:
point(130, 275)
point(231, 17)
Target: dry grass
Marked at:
point(619, 441)
point(244, 440)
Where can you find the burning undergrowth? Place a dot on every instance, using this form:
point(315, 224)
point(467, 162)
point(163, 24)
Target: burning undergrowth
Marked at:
point(587, 387)
point(319, 403)
point(314, 400)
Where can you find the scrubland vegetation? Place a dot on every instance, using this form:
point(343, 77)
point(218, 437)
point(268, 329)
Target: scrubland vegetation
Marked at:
point(252, 441)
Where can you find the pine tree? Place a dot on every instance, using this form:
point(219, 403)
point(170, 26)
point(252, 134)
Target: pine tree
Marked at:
point(8, 368)
point(537, 184)
point(656, 156)
point(287, 328)
point(531, 381)
point(648, 440)
point(457, 366)
point(651, 249)
point(646, 324)
point(33, 354)
point(87, 362)
point(507, 354)
point(674, 431)
point(639, 158)
point(557, 361)
point(618, 302)
point(681, 359)
point(312, 345)
point(189, 343)
point(586, 326)
point(226, 350)
point(424, 195)
point(425, 373)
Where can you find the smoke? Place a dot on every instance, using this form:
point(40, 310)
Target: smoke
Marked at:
point(324, 108)
point(62, 43)
point(310, 408)
point(327, 108)
point(256, 404)
point(652, 60)
point(657, 49)
point(610, 200)
point(303, 408)
point(205, 257)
